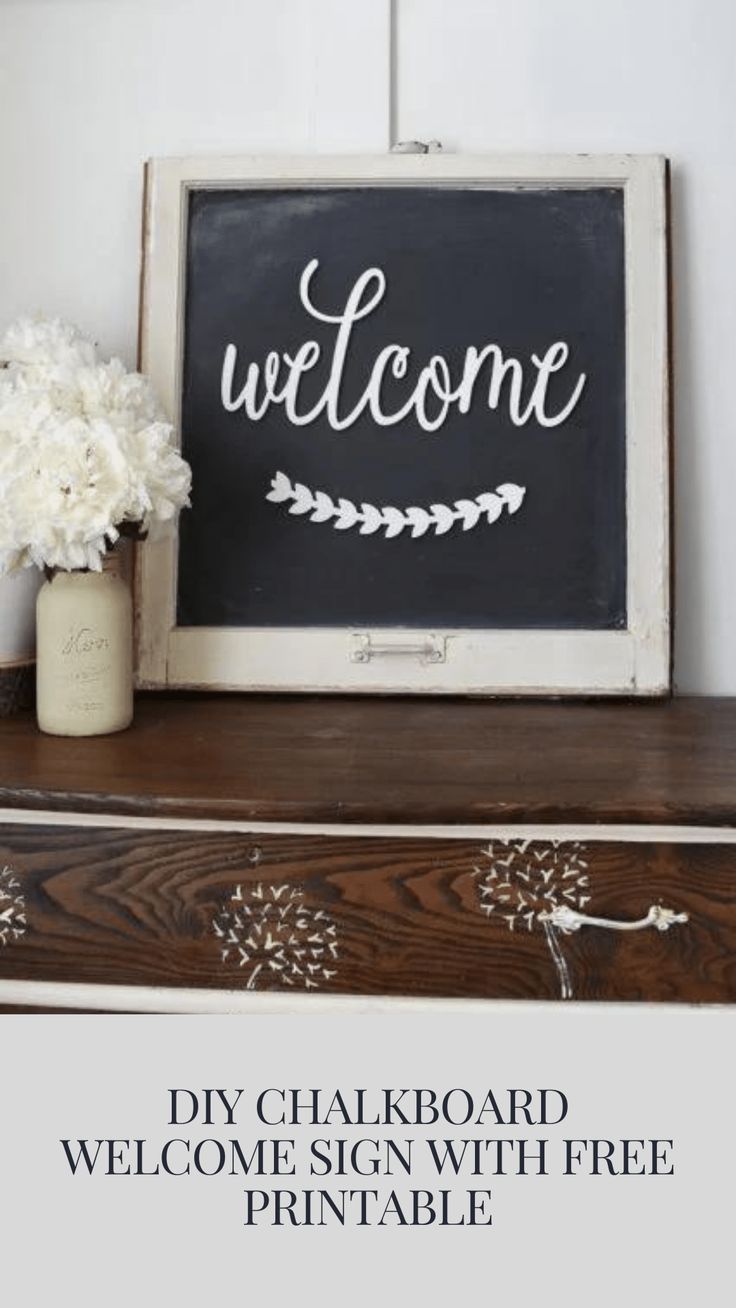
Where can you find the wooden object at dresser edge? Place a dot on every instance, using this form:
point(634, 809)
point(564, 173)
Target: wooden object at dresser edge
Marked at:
point(377, 825)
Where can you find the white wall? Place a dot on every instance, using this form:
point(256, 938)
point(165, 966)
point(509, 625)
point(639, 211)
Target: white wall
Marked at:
point(89, 88)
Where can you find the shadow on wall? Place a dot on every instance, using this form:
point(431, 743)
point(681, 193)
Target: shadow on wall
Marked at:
point(18, 617)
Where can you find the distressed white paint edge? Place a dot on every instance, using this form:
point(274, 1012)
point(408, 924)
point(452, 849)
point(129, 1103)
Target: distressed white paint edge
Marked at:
point(155, 567)
point(633, 662)
point(593, 831)
point(648, 419)
point(512, 169)
point(164, 1000)
point(319, 659)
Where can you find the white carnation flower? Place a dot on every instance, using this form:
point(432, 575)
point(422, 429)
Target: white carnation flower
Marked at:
point(160, 480)
point(46, 341)
point(107, 390)
point(83, 450)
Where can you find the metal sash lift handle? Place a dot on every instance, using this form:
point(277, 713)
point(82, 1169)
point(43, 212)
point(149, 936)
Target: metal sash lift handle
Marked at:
point(432, 649)
point(569, 920)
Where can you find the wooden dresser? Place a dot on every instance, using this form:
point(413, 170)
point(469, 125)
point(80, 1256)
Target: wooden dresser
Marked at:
point(226, 850)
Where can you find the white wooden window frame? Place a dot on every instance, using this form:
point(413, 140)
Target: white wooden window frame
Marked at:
point(634, 661)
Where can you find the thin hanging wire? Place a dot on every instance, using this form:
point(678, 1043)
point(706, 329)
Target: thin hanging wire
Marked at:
point(393, 73)
point(396, 146)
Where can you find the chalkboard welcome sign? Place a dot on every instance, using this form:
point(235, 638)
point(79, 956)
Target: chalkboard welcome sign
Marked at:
point(424, 400)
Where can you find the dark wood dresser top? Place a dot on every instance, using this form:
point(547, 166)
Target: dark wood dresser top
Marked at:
point(373, 760)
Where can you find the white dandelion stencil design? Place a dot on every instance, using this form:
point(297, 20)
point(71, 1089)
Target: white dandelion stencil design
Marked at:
point(523, 881)
point(13, 918)
point(273, 939)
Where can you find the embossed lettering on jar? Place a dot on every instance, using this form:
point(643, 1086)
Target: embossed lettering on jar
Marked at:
point(84, 676)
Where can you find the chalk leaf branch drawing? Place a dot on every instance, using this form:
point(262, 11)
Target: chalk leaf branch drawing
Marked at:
point(431, 398)
point(274, 939)
point(368, 518)
point(13, 917)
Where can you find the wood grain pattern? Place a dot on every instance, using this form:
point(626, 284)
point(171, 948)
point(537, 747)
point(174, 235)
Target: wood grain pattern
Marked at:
point(356, 760)
point(130, 907)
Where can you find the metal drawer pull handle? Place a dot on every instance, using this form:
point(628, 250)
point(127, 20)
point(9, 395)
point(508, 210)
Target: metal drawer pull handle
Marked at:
point(568, 920)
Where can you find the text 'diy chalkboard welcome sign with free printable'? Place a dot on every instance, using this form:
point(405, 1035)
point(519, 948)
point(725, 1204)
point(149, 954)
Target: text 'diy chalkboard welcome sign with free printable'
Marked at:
point(423, 400)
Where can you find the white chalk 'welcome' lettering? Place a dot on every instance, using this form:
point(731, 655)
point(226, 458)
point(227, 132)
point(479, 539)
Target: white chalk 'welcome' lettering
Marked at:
point(522, 387)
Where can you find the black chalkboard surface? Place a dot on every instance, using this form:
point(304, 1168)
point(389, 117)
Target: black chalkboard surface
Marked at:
point(521, 269)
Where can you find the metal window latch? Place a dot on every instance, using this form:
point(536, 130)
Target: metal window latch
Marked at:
point(433, 649)
point(569, 920)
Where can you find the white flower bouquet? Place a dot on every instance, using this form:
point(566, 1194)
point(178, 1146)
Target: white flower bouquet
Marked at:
point(85, 454)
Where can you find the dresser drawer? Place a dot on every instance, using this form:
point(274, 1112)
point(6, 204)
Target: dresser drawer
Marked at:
point(420, 916)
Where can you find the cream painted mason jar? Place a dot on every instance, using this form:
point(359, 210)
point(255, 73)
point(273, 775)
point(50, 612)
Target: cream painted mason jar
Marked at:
point(84, 651)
